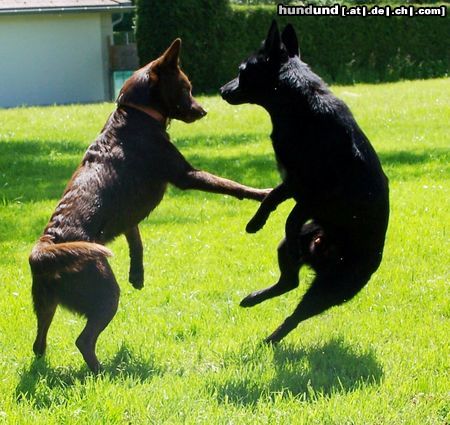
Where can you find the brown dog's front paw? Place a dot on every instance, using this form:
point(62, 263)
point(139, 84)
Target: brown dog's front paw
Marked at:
point(137, 279)
point(39, 349)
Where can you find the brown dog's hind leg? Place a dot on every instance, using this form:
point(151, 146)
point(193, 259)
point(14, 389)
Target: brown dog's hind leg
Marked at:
point(289, 269)
point(136, 276)
point(101, 307)
point(45, 305)
point(88, 338)
point(93, 292)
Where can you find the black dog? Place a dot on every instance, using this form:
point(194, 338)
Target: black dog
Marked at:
point(328, 166)
point(121, 179)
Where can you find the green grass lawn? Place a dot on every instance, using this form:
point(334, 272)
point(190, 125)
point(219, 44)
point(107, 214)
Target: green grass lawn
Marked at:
point(181, 350)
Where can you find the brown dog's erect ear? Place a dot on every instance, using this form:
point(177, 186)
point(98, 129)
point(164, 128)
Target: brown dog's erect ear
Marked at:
point(289, 39)
point(171, 56)
point(136, 89)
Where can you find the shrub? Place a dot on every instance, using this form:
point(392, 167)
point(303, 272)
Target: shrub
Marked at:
point(197, 22)
point(217, 37)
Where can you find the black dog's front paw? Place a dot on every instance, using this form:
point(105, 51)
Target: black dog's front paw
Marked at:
point(137, 279)
point(255, 224)
point(271, 340)
point(261, 194)
point(251, 300)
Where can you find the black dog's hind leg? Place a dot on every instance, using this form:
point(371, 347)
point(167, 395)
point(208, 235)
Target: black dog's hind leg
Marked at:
point(289, 268)
point(136, 276)
point(290, 259)
point(278, 195)
point(326, 291)
point(294, 229)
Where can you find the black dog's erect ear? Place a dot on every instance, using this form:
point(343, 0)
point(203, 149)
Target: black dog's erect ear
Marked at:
point(272, 44)
point(171, 56)
point(289, 39)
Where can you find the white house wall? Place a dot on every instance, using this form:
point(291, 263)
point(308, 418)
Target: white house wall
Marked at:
point(106, 38)
point(47, 59)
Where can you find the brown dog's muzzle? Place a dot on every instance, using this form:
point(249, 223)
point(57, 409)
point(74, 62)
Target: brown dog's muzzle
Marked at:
point(193, 112)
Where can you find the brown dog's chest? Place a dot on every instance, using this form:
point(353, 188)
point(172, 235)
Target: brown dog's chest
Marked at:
point(114, 189)
point(132, 205)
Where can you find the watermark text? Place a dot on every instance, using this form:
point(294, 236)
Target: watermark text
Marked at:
point(362, 10)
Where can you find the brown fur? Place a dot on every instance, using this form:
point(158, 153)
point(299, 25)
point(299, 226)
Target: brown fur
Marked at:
point(121, 179)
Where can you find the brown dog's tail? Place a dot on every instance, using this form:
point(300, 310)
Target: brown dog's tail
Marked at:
point(52, 259)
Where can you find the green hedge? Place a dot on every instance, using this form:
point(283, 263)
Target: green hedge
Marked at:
point(197, 22)
point(217, 37)
point(332, 2)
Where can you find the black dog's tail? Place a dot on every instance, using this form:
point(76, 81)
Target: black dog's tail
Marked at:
point(51, 259)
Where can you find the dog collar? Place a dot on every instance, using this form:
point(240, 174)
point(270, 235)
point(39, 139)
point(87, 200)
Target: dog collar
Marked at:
point(156, 115)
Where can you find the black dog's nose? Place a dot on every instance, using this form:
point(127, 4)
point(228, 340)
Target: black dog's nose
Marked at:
point(203, 113)
point(223, 90)
point(229, 88)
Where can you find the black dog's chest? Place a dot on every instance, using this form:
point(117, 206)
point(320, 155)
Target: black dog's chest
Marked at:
point(282, 171)
point(301, 172)
point(283, 156)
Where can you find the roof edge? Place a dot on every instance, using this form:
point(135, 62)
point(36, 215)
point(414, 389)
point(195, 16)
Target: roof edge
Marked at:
point(74, 9)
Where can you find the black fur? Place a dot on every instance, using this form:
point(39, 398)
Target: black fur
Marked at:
point(328, 166)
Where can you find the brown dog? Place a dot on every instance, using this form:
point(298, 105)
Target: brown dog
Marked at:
point(121, 179)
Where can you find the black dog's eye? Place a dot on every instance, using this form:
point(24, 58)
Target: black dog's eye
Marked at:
point(243, 74)
point(242, 78)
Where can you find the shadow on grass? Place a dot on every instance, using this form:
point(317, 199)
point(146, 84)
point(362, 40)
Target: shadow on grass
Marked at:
point(306, 374)
point(219, 141)
point(38, 171)
point(20, 148)
point(405, 165)
point(413, 158)
point(43, 386)
point(34, 170)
